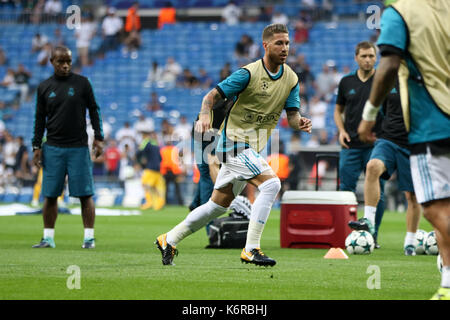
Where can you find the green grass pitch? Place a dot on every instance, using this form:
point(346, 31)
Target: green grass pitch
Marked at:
point(127, 265)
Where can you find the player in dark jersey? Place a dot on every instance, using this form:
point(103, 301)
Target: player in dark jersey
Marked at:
point(353, 92)
point(61, 104)
point(204, 150)
point(149, 157)
point(391, 154)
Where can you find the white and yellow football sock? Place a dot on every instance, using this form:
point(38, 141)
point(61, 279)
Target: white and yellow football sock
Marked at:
point(445, 282)
point(195, 220)
point(255, 230)
point(268, 191)
point(178, 233)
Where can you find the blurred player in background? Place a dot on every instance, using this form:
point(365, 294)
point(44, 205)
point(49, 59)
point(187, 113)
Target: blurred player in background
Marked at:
point(205, 154)
point(389, 155)
point(37, 188)
point(414, 43)
point(260, 91)
point(353, 92)
point(208, 163)
point(279, 162)
point(61, 105)
point(149, 156)
point(172, 169)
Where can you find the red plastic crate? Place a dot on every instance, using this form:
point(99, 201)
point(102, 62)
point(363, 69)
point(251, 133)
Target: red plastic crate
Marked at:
point(316, 219)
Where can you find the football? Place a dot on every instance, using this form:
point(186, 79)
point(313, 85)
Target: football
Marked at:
point(439, 263)
point(420, 238)
point(359, 242)
point(430, 244)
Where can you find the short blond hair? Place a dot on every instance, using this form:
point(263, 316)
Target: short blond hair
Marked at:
point(272, 29)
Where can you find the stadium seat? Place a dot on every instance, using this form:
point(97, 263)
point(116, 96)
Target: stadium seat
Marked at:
point(118, 81)
point(10, 197)
point(118, 200)
point(25, 198)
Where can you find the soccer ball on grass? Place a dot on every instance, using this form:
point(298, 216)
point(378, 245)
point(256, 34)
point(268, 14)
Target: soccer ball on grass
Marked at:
point(430, 244)
point(359, 242)
point(420, 239)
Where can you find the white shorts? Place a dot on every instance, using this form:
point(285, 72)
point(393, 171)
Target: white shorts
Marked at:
point(431, 176)
point(237, 170)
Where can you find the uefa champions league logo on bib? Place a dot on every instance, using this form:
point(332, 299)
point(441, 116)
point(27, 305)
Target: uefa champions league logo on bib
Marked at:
point(264, 85)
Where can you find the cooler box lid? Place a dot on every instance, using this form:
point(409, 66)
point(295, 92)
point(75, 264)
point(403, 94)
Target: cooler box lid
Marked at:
point(319, 197)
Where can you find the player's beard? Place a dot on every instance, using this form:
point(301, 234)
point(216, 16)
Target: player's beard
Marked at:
point(276, 59)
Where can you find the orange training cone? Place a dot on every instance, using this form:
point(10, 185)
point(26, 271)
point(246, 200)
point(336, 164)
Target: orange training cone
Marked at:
point(336, 253)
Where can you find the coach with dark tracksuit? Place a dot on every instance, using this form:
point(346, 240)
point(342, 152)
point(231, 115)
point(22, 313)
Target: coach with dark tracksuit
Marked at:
point(61, 103)
point(353, 92)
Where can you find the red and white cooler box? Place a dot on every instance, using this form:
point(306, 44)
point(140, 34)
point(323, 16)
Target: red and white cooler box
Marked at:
point(316, 219)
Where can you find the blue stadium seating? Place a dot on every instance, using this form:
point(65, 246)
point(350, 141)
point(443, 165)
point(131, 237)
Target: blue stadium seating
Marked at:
point(118, 81)
point(24, 198)
point(10, 197)
point(124, 4)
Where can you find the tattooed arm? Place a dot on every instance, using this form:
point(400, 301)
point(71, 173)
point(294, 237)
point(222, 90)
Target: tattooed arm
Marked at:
point(204, 118)
point(297, 122)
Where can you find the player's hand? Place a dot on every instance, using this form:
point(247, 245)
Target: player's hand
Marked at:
point(203, 123)
point(37, 158)
point(344, 138)
point(365, 131)
point(97, 148)
point(305, 125)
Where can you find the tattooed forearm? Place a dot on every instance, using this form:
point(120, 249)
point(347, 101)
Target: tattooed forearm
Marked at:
point(209, 100)
point(293, 119)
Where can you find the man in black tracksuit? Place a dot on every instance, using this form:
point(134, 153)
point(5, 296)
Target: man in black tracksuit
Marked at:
point(61, 104)
point(353, 91)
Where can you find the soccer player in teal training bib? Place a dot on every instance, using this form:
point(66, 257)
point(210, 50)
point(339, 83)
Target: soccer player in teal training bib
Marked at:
point(414, 43)
point(260, 91)
point(390, 155)
point(61, 104)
